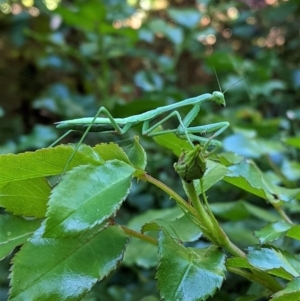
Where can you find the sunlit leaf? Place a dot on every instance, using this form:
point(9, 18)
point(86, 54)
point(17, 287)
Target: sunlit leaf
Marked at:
point(44, 162)
point(294, 232)
point(26, 197)
point(74, 208)
point(137, 155)
point(111, 151)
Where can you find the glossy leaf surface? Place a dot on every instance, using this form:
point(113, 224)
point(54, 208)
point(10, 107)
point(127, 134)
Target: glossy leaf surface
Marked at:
point(74, 208)
point(276, 262)
point(188, 273)
point(65, 268)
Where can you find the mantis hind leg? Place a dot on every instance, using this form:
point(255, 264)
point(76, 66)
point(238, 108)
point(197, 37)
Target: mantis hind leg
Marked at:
point(61, 138)
point(114, 124)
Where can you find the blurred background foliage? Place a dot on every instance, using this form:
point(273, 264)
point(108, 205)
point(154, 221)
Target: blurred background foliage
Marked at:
point(64, 59)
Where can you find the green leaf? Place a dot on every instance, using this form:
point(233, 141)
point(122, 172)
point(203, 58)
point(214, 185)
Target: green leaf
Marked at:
point(134, 156)
point(144, 254)
point(172, 142)
point(293, 141)
point(14, 231)
point(294, 232)
point(181, 228)
point(137, 155)
point(275, 262)
point(26, 197)
point(44, 162)
point(247, 176)
point(111, 151)
point(62, 269)
point(87, 196)
point(84, 17)
point(188, 273)
point(238, 262)
point(167, 214)
point(141, 254)
point(290, 293)
point(240, 210)
point(185, 17)
point(251, 147)
point(213, 174)
point(240, 233)
point(272, 231)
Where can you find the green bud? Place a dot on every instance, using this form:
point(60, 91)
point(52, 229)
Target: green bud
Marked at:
point(191, 164)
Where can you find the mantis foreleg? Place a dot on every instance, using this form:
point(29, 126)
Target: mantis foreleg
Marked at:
point(215, 128)
point(147, 130)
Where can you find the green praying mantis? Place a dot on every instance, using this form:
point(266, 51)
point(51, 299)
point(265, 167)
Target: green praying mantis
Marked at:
point(193, 134)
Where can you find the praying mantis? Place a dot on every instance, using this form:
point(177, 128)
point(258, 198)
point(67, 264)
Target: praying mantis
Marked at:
point(193, 134)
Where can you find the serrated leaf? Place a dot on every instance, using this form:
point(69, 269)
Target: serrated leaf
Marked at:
point(186, 273)
point(44, 162)
point(272, 231)
point(87, 196)
point(26, 197)
point(14, 231)
point(290, 293)
point(111, 151)
point(137, 155)
point(247, 176)
point(294, 232)
point(61, 269)
point(275, 262)
point(181, 228)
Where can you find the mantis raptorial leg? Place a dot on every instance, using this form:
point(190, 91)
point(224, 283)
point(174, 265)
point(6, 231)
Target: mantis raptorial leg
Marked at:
point(109, 124)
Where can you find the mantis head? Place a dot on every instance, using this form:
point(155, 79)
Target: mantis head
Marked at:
point(219, 98)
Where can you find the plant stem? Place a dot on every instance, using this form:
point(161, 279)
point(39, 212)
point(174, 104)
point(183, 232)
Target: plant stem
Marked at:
point(202, 214)
point(179, 200)
point(139, 235)
point(283, 214)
